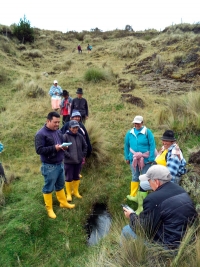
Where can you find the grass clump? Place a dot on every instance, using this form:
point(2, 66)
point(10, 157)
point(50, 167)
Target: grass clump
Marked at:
point(33, 53)
point(3, 75)
point(95, 75)
point(19, 84)
point(63, 65)
point(34, 91)
point(99, 142)
point(182, 114)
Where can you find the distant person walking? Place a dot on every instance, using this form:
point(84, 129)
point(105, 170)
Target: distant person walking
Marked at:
point(79, 103)
point(55, 92)
point(48, 142)
point(79, 49)
point(65, 107)
point(89, 48)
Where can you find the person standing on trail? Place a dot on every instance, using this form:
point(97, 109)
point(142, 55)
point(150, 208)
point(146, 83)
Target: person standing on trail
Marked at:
point(139, 153)
point(48, 144)
point(65, 106)
point(79, 103)
point(79, 49)
point(89, 48)
point(55, 92)
point(73, 159)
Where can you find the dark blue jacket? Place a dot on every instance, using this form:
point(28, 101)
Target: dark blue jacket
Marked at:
point(167, 213)
point(45, 141)
point(82, 130)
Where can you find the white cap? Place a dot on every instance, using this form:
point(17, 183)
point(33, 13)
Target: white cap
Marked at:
point(55, 81)
point(138, 119)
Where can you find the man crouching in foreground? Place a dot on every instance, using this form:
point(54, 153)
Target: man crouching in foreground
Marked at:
point(48, 142)
point(168, 211)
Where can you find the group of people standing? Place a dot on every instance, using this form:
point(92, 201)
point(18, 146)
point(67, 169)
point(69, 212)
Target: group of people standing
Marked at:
point(60, 100)
point(165, 213)
point(63, 151)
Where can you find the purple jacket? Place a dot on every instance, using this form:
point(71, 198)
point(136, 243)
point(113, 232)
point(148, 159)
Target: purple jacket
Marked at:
point(45, 141)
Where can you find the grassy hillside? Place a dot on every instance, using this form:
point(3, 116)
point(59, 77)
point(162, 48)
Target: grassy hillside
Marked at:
point(154, 74)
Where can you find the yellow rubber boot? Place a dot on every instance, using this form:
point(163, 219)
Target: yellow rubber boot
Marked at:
point(63, 200)
point(48, 204)
point(76, 186)
point(68, 186)
point(134, 189)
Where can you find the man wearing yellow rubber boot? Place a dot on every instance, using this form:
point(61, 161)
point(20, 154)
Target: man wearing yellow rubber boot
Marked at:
point(48, 144)
point(139, 152)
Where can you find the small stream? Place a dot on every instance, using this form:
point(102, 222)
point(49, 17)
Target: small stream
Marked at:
point(98, 224)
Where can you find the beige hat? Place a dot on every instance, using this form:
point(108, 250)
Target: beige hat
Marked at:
point(159, 172)
point(55, 81)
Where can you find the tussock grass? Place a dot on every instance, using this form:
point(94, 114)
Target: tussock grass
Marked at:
point(63, 65)
point(182, 114)
point(33, 53)
point(96, 75)
point(19, 84)
point(3, 74)
point(99, 142)
point(129, 48)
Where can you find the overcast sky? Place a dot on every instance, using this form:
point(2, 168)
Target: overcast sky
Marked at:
point(79, 15)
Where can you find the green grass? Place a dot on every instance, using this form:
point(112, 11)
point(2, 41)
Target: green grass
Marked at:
point(27, 236)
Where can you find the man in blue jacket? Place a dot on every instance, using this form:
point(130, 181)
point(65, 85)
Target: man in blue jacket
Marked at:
point(167, 213)
point(48, 141)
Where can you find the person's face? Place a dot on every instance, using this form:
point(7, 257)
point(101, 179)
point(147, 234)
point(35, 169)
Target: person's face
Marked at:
point(167, 144)
point(55, 84)
point(77, 118)
point(74, 130)
point(154, 184)
point(79, 95)
point(66, 97)
point(53, 124)
point(138, 125)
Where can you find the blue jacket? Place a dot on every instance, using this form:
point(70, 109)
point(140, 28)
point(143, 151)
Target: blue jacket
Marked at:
point(45, 141)
point(55, 89)
point(142, 142)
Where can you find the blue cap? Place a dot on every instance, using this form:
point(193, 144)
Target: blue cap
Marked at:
point(73, 124)
point(75, 113)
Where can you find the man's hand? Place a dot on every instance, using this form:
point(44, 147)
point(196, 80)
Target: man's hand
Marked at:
point(127, 212)
point(127, 161)
point(59, 147)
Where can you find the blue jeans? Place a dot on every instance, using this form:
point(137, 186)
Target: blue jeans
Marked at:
point(127, 232)
point(136, 173)
point(53, 177)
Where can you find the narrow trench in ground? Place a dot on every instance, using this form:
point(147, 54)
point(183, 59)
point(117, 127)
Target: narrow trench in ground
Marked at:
point(98, 224)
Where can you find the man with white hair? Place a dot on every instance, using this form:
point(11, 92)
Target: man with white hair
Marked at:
point(166, 212)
